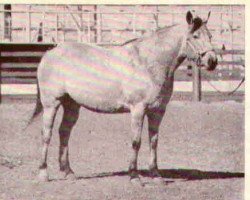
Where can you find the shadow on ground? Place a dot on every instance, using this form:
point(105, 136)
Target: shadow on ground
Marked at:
point(186, 174)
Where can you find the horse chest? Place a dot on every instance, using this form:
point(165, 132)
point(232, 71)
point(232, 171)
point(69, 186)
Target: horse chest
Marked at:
point(161, 94)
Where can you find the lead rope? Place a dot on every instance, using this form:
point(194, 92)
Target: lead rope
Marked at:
point(221, 92)
point(204, 75)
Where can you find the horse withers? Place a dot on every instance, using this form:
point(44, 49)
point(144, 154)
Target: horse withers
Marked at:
point(136, 77)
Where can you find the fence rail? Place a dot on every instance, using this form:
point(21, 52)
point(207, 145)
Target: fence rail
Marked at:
point(89, 24)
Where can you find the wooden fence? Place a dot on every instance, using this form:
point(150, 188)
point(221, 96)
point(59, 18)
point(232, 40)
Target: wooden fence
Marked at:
point(14, 59)
point(106, 26)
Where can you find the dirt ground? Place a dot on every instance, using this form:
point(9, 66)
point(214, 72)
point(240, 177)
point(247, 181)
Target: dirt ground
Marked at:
point(201, 155)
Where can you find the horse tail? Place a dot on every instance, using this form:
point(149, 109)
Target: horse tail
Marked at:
point(39, 107)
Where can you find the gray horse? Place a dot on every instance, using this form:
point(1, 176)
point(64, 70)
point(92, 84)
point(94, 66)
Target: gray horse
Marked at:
point(136, 77)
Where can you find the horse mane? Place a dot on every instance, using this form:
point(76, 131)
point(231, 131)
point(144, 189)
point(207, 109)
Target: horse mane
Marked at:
point(129, 41)
point(165, 28)
point(158, 30)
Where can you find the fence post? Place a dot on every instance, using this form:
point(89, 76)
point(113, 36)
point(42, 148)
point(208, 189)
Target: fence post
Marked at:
point(196, 83)
point(95, 23)
point(133, 21)
point(89, 29)
point(7, 23)
point(28, 23)
point(40, 33)
point(0, 79)
point(99, 28)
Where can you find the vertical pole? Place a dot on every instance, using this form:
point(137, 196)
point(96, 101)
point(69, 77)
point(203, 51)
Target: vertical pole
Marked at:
point(28, 37)
point(133, 20)
point(43, 24)
point(57, 22)
point(221, 35)
point(196, 83)
point(95, 23)
point(232, 34)
point(7, 22)
point(63, 26)
point(81, 23)
point(89, 30)
point(99, 28)
point(0, 79)
point(40, 32)
point(156, 18)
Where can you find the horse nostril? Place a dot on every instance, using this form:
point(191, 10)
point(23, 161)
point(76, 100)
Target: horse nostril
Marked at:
point(212, 63)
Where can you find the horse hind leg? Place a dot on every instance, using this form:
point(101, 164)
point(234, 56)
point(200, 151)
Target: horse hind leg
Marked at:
point(70, 116)
point(49, 112)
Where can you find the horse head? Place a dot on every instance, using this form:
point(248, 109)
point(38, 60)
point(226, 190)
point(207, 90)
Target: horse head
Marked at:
point(198, 42)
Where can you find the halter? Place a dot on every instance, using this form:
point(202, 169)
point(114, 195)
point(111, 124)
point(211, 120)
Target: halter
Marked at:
point(199, 54)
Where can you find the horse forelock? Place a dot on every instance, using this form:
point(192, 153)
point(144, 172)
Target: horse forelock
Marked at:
point(197, 24)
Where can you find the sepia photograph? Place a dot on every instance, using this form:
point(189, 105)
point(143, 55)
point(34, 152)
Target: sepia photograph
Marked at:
point(122, 101)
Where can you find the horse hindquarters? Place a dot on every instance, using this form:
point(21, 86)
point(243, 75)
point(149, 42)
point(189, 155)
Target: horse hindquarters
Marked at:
point(50, 102)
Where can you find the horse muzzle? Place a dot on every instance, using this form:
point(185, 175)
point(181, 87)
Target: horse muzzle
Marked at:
point(209, 60)
point(211, 63)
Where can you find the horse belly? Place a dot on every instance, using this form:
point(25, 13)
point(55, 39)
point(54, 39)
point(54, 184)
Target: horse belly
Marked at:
point(99, 96)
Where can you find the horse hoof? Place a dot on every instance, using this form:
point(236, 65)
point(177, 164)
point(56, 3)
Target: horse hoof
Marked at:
point(159, 181)
point(70, 176)
point(136, 182)
point(43, 176)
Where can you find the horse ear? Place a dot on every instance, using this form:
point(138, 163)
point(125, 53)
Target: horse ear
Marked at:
point(189, 17)
point(208, 15)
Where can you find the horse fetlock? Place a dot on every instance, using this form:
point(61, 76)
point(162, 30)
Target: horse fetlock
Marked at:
point(64, 166)
point(136, 144)
point(153, 144)
point(46, 140)
point(46, 136)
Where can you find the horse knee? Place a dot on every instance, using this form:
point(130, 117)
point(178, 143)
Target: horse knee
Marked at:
point(63, 165)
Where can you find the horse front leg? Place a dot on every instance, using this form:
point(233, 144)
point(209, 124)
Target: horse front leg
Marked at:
point(137, 116)
point(154, 120)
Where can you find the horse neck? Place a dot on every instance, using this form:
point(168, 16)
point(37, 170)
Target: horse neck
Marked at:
point(167, 55)
point(178, 40)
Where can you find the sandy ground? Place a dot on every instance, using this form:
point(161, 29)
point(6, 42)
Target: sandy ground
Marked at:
point(201, 155)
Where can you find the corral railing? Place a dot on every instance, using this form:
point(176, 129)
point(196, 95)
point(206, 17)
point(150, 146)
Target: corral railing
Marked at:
point(19, 61)
point(102, 26)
